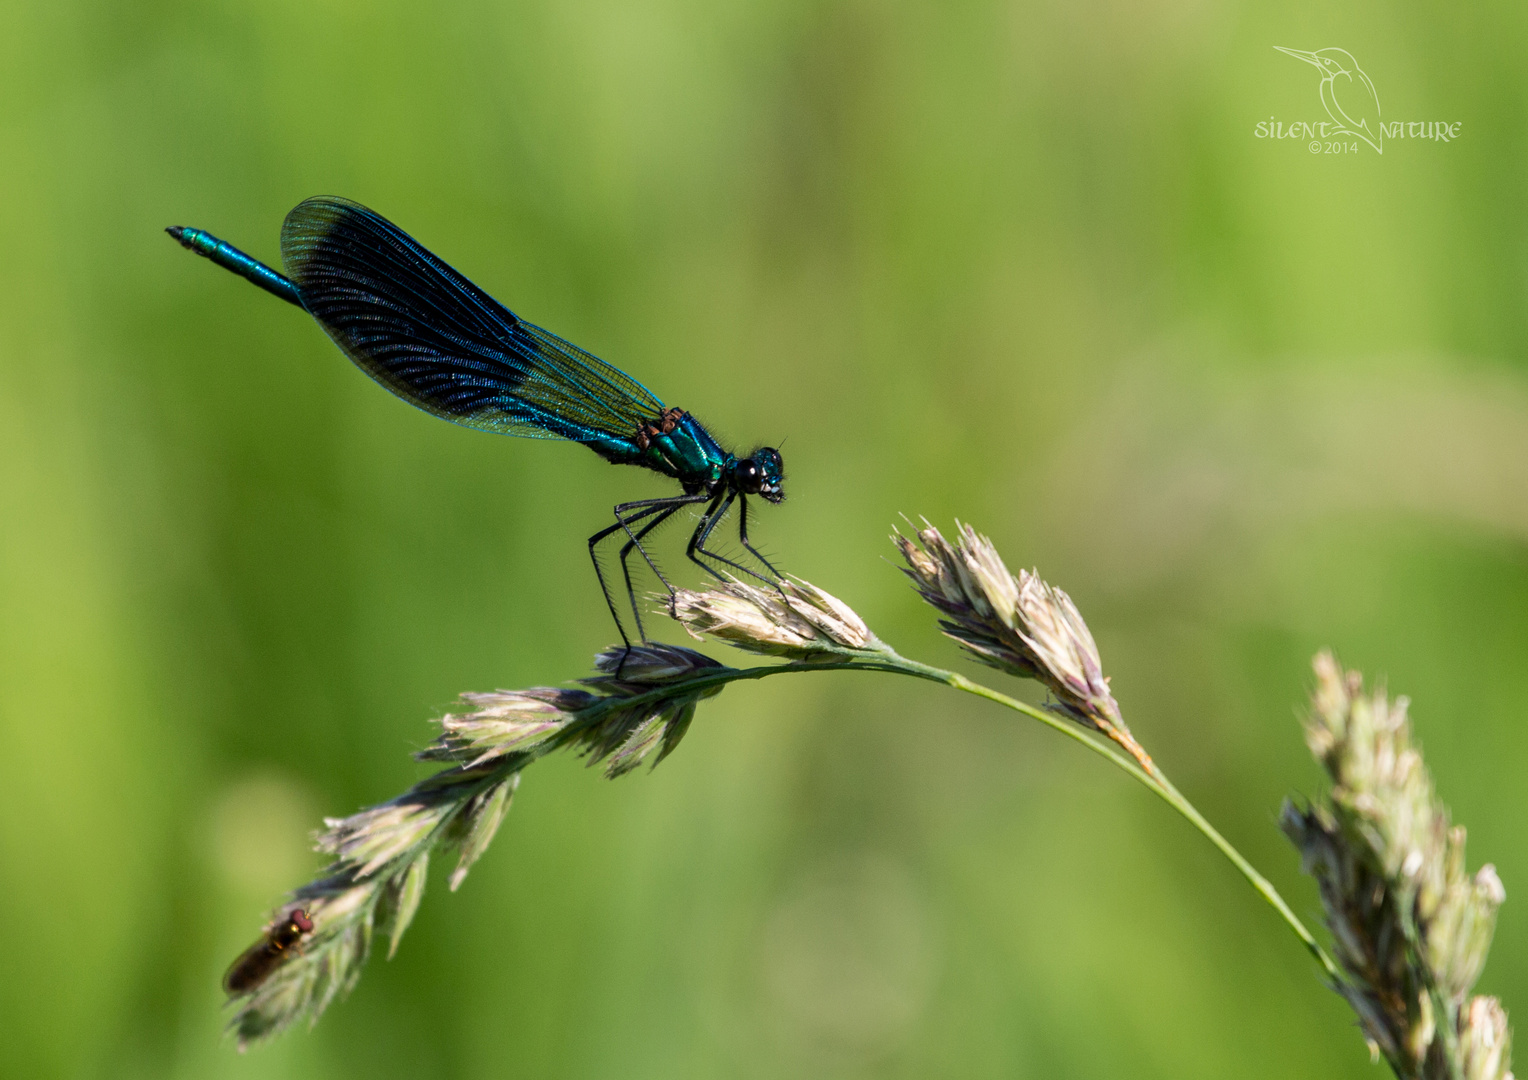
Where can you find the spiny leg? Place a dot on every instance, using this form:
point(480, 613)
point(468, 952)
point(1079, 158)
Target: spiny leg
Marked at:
point(718, 506)
point(697, 547)
point(742, 535)
point(636, 542)
point(599, 572)
point(651, 506)
point(626, 514)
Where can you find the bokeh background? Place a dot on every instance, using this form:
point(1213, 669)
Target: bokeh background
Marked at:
point(1023, 263)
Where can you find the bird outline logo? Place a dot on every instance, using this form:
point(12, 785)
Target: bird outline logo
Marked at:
point(1347, 93)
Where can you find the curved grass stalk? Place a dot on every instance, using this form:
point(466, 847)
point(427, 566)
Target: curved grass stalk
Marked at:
point(1410, 928)
point(885, 659)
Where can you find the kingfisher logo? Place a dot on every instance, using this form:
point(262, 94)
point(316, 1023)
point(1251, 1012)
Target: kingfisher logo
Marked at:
point(1352, 108)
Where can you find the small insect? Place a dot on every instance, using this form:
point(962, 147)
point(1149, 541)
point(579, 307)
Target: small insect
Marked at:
point(257, 962)
point(440, 343)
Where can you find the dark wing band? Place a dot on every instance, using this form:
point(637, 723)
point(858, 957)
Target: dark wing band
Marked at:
point(439, 342)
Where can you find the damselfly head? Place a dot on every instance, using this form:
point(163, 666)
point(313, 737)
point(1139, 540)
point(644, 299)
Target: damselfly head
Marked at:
point(761, 473)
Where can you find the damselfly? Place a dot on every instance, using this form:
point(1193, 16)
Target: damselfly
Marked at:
point(439, 342)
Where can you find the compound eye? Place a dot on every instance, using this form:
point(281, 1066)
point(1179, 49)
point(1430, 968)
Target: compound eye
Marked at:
point(747, 474)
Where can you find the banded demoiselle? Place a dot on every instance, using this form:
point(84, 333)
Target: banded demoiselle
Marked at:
point(439, 342)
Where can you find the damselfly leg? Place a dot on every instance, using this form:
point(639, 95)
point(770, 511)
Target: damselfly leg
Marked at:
point(742, 535)
point(636, 542)
point(627, 515)
point(708, 523)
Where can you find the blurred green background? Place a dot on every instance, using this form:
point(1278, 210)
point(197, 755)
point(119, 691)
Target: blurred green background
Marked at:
point(1023, 263)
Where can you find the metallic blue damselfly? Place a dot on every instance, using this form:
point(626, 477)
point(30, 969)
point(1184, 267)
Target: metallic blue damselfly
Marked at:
point(439, 342)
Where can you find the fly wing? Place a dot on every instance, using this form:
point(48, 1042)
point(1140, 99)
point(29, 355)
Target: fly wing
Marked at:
point(439, 342)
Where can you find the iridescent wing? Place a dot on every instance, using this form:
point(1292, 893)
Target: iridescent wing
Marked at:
point(439, 342)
